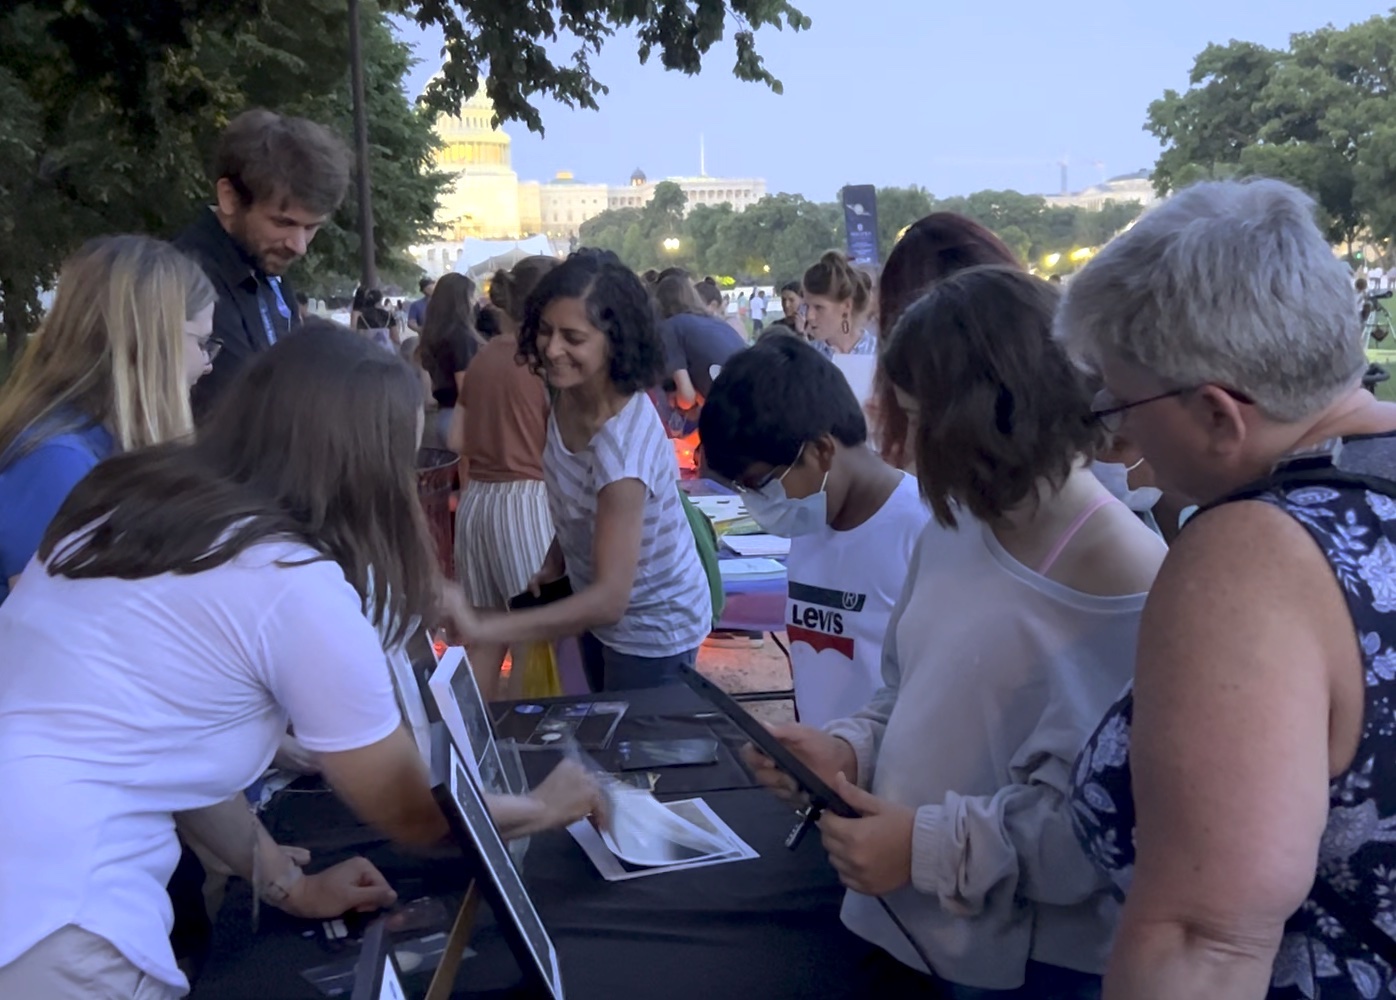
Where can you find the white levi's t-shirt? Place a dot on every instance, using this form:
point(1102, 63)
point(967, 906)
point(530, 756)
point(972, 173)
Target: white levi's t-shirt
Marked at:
point(125, 701)
point(843, 585)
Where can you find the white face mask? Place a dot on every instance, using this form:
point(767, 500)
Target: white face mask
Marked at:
point(778, 514)
point(1115, 478)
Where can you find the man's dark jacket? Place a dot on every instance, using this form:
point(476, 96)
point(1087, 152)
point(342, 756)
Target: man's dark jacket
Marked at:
point(237, 318)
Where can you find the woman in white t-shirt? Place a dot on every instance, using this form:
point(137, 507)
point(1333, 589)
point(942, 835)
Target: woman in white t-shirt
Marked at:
point(639, 597)
point(188, 601)
point(1014, 632)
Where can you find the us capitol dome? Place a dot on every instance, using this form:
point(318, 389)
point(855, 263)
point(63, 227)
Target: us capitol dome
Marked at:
point(483, 201)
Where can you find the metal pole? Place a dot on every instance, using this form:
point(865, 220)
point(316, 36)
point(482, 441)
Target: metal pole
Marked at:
point(368, 266)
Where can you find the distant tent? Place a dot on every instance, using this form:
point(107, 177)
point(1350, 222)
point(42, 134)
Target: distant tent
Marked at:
point(481, 258)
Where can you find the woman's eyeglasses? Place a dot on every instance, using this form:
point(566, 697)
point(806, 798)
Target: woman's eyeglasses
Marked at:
point(1110, 412)
point(209, 347)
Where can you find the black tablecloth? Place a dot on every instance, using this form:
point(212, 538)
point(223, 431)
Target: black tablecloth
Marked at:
point(766, 928)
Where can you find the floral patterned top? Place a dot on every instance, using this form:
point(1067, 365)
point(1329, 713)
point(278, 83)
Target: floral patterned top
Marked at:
point(1320, 957)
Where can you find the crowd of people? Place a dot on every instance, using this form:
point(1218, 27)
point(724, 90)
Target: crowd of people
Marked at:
point(1093, 752)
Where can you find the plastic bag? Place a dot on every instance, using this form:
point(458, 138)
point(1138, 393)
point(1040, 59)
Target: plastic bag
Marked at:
point(540, 678)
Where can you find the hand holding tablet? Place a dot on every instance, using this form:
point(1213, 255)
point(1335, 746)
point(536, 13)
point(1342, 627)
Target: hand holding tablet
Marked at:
point(827, 756)
point(819, 794)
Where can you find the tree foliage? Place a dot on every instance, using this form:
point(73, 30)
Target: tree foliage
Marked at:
point(505, 43)
point(118, 138)
point(777, 238)
point(1320, 114)
point(109, 109)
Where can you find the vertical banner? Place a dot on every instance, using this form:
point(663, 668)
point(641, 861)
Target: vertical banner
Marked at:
point(860, 220)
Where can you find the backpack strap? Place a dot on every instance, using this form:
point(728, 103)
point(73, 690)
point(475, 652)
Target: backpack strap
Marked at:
point(1365, 463)
point(705, 539)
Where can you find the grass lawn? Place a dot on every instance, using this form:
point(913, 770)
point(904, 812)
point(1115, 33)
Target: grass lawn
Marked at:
point(1386, 391)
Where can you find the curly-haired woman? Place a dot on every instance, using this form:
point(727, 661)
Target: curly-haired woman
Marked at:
point(639, 595)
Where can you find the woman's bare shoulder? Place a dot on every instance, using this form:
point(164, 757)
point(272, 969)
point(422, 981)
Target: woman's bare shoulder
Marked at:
point(1116, 555)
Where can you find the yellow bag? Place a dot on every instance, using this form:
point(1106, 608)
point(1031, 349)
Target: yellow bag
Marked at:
point(540, 678)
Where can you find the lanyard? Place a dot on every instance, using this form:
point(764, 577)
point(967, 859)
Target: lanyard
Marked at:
point(281, 307)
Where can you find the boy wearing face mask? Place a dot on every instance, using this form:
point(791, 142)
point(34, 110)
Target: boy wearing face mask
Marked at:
point(784, 428)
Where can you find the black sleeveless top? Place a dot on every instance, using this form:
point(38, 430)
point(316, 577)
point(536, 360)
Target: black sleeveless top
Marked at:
point(1322, 956)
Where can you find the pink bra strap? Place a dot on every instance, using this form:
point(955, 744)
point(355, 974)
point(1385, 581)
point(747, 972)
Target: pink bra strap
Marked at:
point(1070, 533)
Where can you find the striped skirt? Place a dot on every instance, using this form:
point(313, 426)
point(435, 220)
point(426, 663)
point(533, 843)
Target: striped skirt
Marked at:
point(503, 531)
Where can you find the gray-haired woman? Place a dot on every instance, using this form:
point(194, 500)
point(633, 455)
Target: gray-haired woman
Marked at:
point(1257, 844)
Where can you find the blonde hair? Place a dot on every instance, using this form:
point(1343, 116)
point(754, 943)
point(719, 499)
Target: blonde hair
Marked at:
point(111, 350)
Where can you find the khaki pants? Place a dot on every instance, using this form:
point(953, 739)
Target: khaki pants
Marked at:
point(73, 964)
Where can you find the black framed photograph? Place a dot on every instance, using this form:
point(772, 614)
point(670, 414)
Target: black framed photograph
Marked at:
point(376, 974)
point(461, 800)
point(458, 702)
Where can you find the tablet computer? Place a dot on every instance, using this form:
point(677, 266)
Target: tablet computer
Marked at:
point(548, 593)
point(821, 796)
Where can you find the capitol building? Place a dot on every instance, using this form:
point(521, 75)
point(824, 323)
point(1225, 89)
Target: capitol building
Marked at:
point(487, 201)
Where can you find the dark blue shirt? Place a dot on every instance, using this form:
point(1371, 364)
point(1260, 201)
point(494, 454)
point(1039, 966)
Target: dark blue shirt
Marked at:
point(34, 486)
point(697, 344)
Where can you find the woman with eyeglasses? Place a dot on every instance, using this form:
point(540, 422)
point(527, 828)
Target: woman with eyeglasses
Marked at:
point(109, 370)
point(1243, 794)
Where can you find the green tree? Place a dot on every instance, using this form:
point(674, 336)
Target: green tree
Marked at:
point(401, 142)
point(1206, 128)
point(700, 234)
point(607, 230)
point(78, 162)
point(1317, 114)
point(110, 108)
point(783, 232)
point(663, 214)
point(681, 32)
point(1016, 240)
point(1032, 228)
point(898, 208)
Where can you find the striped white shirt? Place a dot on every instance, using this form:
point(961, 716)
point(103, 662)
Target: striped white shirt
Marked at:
point(670, 609)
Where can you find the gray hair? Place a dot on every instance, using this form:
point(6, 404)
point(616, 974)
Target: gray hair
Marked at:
point(1229, 283)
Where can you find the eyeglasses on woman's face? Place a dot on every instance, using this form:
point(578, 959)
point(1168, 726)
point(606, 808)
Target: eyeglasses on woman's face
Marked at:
point(1109, 410)
point(208, 346)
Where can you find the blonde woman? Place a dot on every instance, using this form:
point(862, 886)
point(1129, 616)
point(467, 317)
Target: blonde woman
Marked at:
point(110, 370)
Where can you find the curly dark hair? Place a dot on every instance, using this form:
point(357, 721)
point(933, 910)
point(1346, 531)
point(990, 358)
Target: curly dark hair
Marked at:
point(617, 304)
